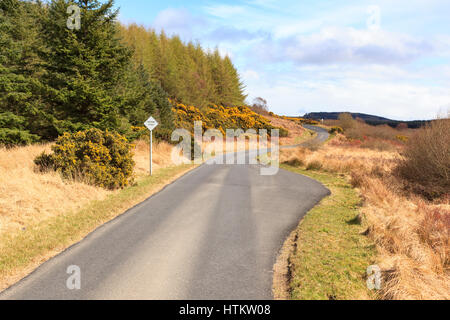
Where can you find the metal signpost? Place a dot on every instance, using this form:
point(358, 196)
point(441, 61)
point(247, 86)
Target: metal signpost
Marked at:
point(151, 124)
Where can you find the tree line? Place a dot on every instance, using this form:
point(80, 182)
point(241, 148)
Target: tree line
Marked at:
point(54, 79)
point(188, 73)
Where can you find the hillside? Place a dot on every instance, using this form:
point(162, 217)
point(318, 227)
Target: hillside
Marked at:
point(106, 75)
point(368, 118)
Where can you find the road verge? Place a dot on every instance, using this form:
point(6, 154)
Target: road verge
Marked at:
point(327, 255)
point(22, 252)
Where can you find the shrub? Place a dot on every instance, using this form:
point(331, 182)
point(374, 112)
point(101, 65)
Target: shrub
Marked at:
point(426, 160)
point(220, 117)
point(283, 132)
point(99, 158)
point(314, 165)
point(402, 138)
point(346, 121)
point(295, 162)
point(335, 130)
point(162, 134)
point(44, 162)
point(137, 133)
point(360, 130)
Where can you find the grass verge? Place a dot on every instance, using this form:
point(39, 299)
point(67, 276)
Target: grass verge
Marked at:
point(328, 254)
point(21, 252)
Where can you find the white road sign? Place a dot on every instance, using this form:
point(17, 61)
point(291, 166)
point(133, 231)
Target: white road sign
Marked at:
point(151, 123)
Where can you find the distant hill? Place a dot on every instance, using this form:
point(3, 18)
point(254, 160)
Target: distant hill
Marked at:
point(368, 118)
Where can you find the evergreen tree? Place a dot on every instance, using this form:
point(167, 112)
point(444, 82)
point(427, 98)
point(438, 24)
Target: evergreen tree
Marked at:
point(19, 72)
point(83, 66)
point(142, 98)
point(186, 71)
point(236, 86)
point(54, 79)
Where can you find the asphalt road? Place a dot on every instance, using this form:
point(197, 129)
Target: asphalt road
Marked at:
point(213, 234)
point(322, 136)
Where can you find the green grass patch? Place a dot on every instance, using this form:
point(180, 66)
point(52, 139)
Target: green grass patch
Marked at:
point(331, 254)
point(21, 252)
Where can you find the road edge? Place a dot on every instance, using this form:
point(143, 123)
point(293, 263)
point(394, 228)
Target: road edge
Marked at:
point(12, 278)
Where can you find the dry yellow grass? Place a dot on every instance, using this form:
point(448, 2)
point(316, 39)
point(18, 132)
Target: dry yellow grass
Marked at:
point(413, 245)
point(161, 156)
point(28, 197)
point(343, 160)
point(414, 269)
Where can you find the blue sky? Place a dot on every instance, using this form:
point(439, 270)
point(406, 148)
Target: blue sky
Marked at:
point(390, 58)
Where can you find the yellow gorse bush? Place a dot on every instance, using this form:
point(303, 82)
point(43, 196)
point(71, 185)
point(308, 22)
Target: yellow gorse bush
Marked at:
point(99, 158)
point(219, 117)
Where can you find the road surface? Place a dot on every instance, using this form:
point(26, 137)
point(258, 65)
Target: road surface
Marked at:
point(213, 234)
point(322, 136)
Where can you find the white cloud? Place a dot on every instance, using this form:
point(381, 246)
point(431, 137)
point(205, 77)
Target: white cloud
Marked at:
point(225, 52)
point(177, 21)
point(250, 75)
point(370, 90)
point(345, 45)
point(171, 18)
point(225, 11)
point(316, 56)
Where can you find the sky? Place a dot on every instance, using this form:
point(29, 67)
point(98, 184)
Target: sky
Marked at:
point(388, 58)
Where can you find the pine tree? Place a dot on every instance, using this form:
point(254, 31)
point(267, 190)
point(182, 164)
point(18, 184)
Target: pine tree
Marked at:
point(19, 72)
point(144, 97)
point(236, 86)
point(221, 79)
point(53, 79)
point(186, 71)
point(84, 66)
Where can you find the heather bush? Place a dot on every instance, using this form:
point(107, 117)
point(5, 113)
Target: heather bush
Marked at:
point(426, 160)
point(98, 158)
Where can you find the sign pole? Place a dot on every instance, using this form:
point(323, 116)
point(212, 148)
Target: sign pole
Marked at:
point(151, 124)
point(151, 152)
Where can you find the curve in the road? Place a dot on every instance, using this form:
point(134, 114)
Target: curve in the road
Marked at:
point(322, 136)
point(213, 234)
